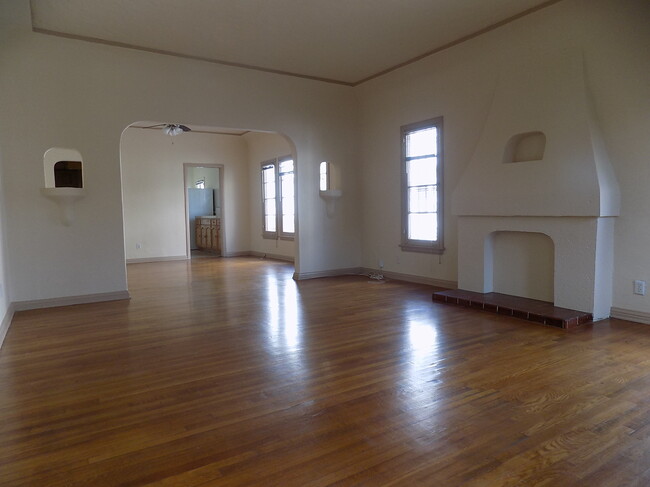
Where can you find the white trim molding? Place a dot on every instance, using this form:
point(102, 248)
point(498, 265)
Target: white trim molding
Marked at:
point(156, 259)
point(6, 322)
point(630, 315)
point(70, 300)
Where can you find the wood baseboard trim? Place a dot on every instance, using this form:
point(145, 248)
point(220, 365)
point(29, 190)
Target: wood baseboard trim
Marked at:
point(6, 322)
point(264, 255)
point(398, 276)
point(300, 276)
point(156, 259)
point(70, 300)
point(630, 315)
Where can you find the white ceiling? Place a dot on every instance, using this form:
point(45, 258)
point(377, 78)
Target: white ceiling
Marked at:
point(345, 41)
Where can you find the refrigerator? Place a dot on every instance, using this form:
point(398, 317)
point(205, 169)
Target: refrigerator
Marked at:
point(200, 202)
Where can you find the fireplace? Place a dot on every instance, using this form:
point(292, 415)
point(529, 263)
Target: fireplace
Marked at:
point(540, 166)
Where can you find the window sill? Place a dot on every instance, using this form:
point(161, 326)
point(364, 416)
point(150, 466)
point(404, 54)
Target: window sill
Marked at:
point(422, 249)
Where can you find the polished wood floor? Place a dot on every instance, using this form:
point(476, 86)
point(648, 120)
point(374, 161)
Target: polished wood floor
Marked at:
point(226, 372)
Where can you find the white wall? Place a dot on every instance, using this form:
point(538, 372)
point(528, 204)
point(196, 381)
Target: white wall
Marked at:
point(153, 190)
point(262, 147)
point(58, 92)
point(458, 84)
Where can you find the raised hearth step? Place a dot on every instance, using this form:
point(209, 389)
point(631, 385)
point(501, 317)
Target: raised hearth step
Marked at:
point(524, 308)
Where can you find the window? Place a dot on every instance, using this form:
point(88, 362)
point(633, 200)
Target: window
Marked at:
point(422, 226)
point(278, 198)
point(324, 176)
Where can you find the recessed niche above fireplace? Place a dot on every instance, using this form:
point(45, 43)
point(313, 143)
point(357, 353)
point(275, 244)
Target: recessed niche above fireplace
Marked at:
point(525, 147)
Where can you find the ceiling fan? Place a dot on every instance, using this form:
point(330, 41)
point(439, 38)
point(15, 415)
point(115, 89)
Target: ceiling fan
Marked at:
point(171, 128)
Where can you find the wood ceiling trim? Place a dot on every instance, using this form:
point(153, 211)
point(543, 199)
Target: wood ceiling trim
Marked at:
point(125, 45)
point(431, 52)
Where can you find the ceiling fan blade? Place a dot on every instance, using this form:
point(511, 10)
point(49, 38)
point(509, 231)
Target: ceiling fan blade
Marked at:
point(184, 128)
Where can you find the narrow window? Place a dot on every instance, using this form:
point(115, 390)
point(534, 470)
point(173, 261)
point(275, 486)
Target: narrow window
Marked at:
point(268, 200)
point(324, 174)
point(287, 222)
point(278, 199)
point(422, 225)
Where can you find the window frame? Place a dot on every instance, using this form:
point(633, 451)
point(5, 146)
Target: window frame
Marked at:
point(279, 232)
point(413, 245)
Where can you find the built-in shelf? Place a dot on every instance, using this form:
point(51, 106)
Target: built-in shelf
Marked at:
point(331, 196)
point(66, 199)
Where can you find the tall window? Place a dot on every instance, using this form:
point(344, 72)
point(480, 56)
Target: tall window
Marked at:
point(287, 207)
point(268, 197)
point(278, 198)
point(422, 226)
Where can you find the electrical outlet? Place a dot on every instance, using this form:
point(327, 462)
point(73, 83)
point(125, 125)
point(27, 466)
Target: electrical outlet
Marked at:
point(381, 264)
point(639, 288)
point(138, 246)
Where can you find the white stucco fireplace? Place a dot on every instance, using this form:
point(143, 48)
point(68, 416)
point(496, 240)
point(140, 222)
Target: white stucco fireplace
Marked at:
point(541, 166)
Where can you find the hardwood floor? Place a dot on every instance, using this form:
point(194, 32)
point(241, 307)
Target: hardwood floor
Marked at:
point(226, 372)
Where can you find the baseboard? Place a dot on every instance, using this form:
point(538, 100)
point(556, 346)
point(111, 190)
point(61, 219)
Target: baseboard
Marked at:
point(6, 322)
point(630, 315)
point(299, 276)
point(265, 255)
point(237, 253)
point(398, 276)
point(156, 259)
point(70, 300)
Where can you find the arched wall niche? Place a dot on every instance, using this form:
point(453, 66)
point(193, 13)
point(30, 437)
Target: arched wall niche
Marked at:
point(526, 147)
point(63, 168)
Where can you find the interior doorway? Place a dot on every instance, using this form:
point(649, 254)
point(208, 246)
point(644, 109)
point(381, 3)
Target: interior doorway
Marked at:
point(204, 226)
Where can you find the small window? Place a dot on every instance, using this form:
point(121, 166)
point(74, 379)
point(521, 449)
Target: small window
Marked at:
point(324, 175)
point(278, 199)
point(422, 226)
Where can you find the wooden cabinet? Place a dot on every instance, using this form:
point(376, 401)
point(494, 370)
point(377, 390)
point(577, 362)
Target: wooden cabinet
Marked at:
point(207, 230)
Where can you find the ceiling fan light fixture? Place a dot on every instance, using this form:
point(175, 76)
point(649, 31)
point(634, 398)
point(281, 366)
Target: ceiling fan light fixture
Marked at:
point(173, 129)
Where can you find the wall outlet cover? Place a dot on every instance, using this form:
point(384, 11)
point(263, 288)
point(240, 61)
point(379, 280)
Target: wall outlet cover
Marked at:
point(639, 287)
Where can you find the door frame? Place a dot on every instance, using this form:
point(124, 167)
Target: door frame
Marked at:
point(222, 230)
